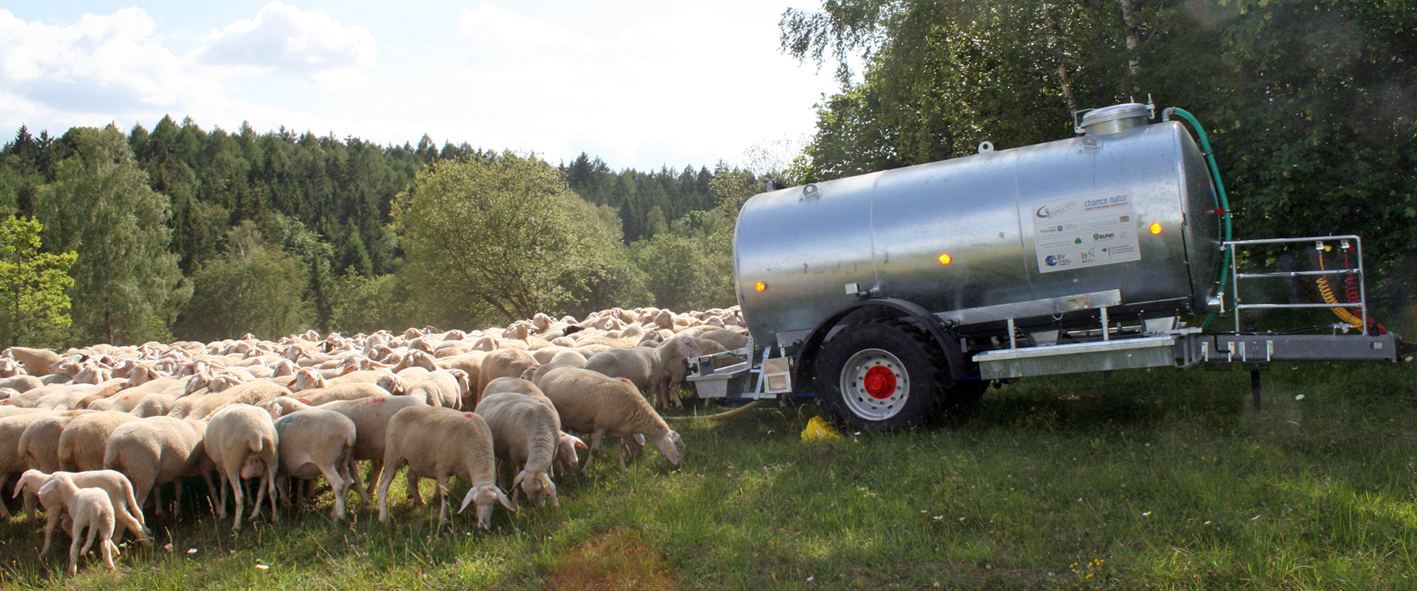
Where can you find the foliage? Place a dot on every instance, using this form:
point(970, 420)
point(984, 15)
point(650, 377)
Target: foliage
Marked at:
point(127, 286)
point(34, 285)
point(496, 232)
point(366, 304)
point(252, 288)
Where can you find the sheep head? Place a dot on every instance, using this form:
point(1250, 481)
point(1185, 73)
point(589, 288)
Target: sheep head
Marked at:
point(672, 446)
point(485, 497)
point(538, 488)
point(308, 378)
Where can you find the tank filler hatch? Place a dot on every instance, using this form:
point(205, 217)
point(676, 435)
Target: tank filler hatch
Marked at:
point(1113, 119)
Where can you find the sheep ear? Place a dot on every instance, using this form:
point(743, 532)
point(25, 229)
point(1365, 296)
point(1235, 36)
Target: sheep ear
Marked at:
point(576, 442)
point(20, 486)
point(640, 438)
point(502, 497)
point(48, 486)
point(467, 499)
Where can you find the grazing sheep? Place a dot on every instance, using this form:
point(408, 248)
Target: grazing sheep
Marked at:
point(156, 451)
point(656, 371)
point(589, 402)
point(85, 439)
point(36, 361)
point(11, 461)
point(241, 441)
point(567, 444)
point(315, 442)
point(502, 363)
point(203, 407)
point(525, 433)
point(438, 443)
point(120, 495)
point(91, 509)
point(39, 444)
point(371, 420)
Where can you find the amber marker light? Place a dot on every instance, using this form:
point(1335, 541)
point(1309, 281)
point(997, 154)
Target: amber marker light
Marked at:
point(760, 286)
point(1156, 228)
point(945, 259)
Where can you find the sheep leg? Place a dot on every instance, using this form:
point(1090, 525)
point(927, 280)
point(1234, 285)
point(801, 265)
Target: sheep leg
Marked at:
point(594, 447)
point(105, 542)
point(260, 497)
point(271, 490)
point(74, 547)
point(340, 488)
point(157, 498)
point(413, 494)
point(221, 504)
point(443, 497)
point(375, 470)
point(383, 492)
point(4, 512)
point(130, 523)
point(233, 475)
point(350, 475)
point(53, 520)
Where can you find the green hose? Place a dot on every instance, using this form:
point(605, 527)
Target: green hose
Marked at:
point(1221, 277)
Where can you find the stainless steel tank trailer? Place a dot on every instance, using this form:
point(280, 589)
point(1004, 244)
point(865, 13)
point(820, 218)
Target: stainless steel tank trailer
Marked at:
point(895, 295)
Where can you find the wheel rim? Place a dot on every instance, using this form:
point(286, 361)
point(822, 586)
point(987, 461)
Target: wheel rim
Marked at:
point(874, 384)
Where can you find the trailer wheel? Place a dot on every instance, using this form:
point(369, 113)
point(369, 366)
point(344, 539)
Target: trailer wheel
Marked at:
point(881, 375)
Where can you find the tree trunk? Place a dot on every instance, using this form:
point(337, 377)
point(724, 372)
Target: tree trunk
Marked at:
point(1063, 79)
point(1133, 27)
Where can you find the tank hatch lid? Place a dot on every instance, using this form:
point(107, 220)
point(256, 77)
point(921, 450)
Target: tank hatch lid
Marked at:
point(1115, 118)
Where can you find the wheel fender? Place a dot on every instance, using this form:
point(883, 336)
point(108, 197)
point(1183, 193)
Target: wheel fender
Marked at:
point(805, 372)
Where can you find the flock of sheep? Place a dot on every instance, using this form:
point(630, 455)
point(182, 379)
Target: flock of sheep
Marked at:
point(95, 431)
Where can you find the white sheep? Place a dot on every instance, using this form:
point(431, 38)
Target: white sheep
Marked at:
point(85, 439)
point(567, 444)
point(242, 443)
point(439, 443)
point(156, 451)
point(525, 433)
point(90, 508)
point(510, 363)
point(590, 402)
point(315, 442)
point(120, 495)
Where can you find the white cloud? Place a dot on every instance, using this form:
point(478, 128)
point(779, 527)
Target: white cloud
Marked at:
point(286, 41)
point(108, 65)
point(503, 29)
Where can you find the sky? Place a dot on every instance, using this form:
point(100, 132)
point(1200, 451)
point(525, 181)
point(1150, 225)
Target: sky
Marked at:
point(640, 83)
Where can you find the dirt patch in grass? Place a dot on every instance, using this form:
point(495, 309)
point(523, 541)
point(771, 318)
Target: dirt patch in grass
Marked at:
point(618, 560)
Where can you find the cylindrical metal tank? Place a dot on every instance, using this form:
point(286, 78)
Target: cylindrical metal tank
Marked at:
point(1132, 210)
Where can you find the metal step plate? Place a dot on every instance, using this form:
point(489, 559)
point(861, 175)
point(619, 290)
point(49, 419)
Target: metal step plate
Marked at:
point(1157, 351)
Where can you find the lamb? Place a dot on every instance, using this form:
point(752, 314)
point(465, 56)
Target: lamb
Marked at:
point(241, 441)
point(90, 509)
point(657, 371)
point(155, 451)
point(85, 439)
point(438, 443)
point(525, 433)
point(315, 442)
point(589, 402)
point(120, 495)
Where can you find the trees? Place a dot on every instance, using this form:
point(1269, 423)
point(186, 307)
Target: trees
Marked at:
point(127, 286)
point(253, 287)
point(34, 298)
point(492, 233)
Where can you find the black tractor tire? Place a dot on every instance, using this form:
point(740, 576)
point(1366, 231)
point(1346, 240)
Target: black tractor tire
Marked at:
point(882, 375)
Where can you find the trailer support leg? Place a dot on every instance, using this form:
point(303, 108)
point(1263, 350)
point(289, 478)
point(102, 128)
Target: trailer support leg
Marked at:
point(1255, 387)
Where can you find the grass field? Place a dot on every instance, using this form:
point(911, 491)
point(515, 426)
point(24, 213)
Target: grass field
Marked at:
point(1147, 479)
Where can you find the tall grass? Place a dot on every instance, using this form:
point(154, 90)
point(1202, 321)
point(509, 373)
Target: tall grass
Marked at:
point(1147, 479)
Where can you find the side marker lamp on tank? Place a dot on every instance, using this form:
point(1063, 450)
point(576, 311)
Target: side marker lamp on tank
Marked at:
point(945, 259)
point(1156, 228)
point(760, 286)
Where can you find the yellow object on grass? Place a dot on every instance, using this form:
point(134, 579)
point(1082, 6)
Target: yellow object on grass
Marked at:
point(819, 429)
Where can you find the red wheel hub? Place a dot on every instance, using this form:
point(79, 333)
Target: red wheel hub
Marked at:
point(880, 382)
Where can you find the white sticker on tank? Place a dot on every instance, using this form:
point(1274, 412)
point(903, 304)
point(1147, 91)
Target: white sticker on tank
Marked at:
point(1084, 231)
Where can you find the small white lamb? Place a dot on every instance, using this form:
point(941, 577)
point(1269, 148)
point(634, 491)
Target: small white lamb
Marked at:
point(90, 509)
